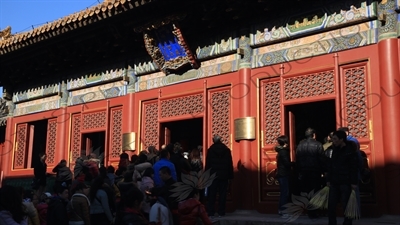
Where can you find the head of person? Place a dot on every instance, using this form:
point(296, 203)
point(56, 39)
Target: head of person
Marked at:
point(310, 133)
point(165, 173)
point(345, 129)
point(148, 172)
point(217, 139)
point(194, 154)
point(79, 187)
point(45, 197)
point(62, 192)
point(133, 199)
point(283, 140)
point(177, 147)
point(164, 154)
point(110, 169)
point(163, 147)
point(63, 163)
point(152, 149)
point(339, 138)
point(11, 200)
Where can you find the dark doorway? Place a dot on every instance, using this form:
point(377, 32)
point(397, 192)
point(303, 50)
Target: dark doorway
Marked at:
point(2, 134)
point(37, 140)
point(94, 143)
point(320, 116)
point(187, 132)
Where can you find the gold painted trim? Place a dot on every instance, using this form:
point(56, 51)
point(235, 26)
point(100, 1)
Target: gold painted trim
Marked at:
point(371, 131)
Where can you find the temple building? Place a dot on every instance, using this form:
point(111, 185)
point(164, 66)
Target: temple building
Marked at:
point(124, 75)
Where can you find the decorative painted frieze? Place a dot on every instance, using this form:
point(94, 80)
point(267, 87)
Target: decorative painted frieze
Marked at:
point(319, 44)
point(224, 46)
point(35, 93)
point(208, 68)
point(97, 78)
point(96, 93)
point(306, 25)
point(38, 105)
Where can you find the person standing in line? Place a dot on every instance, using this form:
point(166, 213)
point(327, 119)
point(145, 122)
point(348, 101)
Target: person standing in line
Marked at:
point(219, 160)
point(40, 171)
point(164, 161)
point(284, 166)
point(342, 175)
point(310, 159)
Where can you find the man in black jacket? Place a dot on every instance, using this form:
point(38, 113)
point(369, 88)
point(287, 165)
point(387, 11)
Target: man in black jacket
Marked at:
point(310, 158)
point(219, 160)
point(39, 170)
point(342, 176)
point(57, 209)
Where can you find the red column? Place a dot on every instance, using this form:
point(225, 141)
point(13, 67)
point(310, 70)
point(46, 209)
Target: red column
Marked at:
point(6, 155)
point(62, 136)
point(247, 169)
point(390, 104)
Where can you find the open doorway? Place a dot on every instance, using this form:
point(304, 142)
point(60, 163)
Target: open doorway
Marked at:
point(37, 141)
point(94, 143)
point(320, 116)
point(187, 132)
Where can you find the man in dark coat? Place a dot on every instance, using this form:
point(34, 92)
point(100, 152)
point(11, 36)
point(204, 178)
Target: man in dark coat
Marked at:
point(219, 160)
point(39, 170)
point(342, 176)
point(57, 209)
point(310, 159)
point(63, 172)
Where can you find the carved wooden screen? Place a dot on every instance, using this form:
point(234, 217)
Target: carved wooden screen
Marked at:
point(354, 108)
point(309, 85)
point(219, 114)
point(115, 133)
point(51, 141)
point(94, 120)
point(21, 146)
point(150, 125)
point(355, 116)
point(75, 137)
point(271, 129)
point(185, 105)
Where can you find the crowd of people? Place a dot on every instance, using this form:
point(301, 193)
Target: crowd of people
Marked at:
point(338, 163)
point(140, 190)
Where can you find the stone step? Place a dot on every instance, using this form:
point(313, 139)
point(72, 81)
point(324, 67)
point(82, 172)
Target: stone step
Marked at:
point(248, 217)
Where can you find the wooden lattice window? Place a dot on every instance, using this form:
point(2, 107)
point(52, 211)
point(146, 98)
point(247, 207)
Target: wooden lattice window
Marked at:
point(309, 85)
point(272, 111)
point(75, 137)
point(354, 110)
point(116, 132)
point(94, 120)
point(220, 102)
point(51, 141)
point(186, 105)
point(150, 133)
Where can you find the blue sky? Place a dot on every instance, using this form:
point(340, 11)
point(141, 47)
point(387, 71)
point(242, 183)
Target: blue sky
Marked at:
point(21, 15)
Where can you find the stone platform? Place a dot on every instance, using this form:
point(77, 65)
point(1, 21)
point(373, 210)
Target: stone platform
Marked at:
point(244, 217)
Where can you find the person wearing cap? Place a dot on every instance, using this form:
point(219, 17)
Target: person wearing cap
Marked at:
point(42, 207)
point(219, 160)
